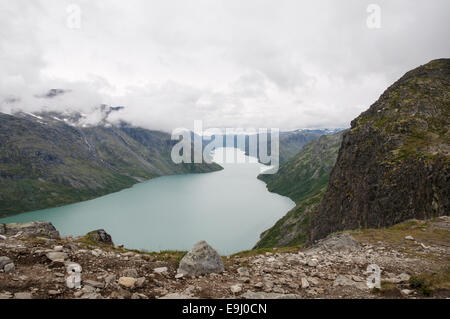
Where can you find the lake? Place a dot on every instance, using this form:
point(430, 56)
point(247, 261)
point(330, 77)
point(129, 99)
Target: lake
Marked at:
point(229, 209)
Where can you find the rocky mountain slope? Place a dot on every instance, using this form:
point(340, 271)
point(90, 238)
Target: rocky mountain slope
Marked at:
point(46, 162)
point(394, 163)
point(304, 179)
point(413, 257)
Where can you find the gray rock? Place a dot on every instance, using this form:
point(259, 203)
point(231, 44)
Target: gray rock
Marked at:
point(201, 259)
point(236, 289)
point(305, 283)
point(130, 272)
point(57, 256)
point(100, 236)
point(4, 260)
point(32, 229)
point(140, 282)
point(266, 295)
point(6, 295)
point(8, 268)
point(160, 270)
point(23, 295)
point(243, 271)
point(340, 243)
point(94, 283)
point(346, 281)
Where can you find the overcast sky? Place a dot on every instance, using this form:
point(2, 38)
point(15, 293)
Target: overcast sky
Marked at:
point(232, 63)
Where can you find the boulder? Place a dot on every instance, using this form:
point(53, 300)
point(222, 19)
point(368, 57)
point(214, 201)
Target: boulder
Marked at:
point(342, 280)
point(340, 243)
point(160, 270)
point(9, 268)
point(57, 256)
point(100, 236)
point(127, 282)
point(268, 295)
point(200, 260)
point(30, 230)
point(4, 261)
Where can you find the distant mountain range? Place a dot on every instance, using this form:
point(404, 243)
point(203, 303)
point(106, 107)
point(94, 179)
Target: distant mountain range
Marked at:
point(53, 159)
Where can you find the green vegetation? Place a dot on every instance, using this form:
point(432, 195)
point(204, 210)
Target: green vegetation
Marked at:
point(308, 172)
point(304, 179)
point(430, 282)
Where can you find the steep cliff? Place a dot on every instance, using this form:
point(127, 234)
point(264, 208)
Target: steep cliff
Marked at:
point(394, 162)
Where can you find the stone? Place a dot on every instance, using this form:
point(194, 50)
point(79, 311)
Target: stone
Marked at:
point(6, 295)
point(266, 295)
point(100, 236)
point(56, 256)
point(407, 291)
point(140, 282)
point(22, 295)
point(94, 283)
point(8, 268)
point(179, 276)
point(130, 272)
point(342, 280)
point(127, 282)
point(258, 285)
point(30, 230)
point(110, 278)
point(305, 283)
point(91, 295)
point(243, 271)
point(236, 289)
point(54, 292)
point(4, 260)
point(340, 243)
point(312, 263)
point(409, 237)
point(160, 270)
point(58, 248)
point(200, 260)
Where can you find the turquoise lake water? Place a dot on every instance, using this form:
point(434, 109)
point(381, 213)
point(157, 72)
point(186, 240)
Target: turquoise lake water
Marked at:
point(229, 209)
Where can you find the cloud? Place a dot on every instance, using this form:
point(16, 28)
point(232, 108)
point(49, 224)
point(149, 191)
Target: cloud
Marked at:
point(258, 63)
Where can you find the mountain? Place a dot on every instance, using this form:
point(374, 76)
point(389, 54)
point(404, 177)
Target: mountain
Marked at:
point(394, 163)
point(304, 179)
point(290, 142)
point(308, 171)
point(46, 160)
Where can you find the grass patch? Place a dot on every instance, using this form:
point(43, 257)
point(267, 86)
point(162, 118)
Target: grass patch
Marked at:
point(431, 283)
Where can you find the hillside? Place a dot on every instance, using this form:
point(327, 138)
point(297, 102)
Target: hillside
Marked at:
point(45, 162)
point(304, 179)
point(394, 163)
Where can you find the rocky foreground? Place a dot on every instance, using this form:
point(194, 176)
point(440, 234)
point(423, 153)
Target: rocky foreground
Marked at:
point(414, 260)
